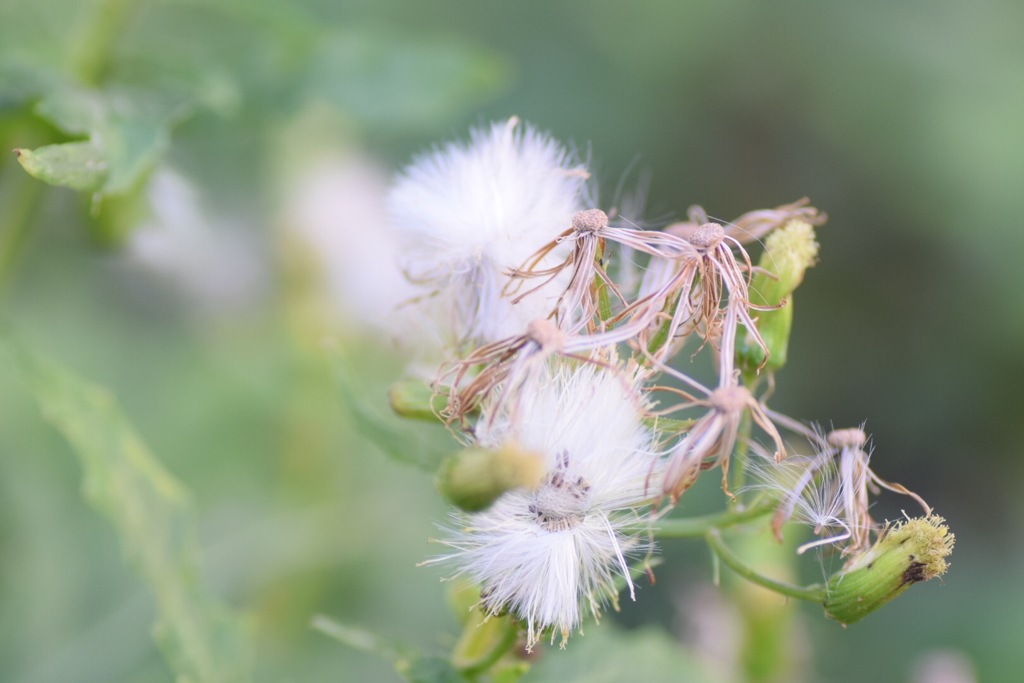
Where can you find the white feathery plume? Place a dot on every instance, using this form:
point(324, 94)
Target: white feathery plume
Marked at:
point(551, 554)
point(470, 213)
point(830, 491)
point(810, 492)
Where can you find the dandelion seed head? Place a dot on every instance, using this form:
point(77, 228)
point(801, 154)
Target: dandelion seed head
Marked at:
point(552, 554)
point(470, 213)
point(560, 502)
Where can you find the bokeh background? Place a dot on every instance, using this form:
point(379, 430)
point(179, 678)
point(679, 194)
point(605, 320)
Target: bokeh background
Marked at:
point(231, 290)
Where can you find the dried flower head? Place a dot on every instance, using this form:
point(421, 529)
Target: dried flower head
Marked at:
point(753, 225)
point(588, 234)
point(710, 441)
point(690, 295)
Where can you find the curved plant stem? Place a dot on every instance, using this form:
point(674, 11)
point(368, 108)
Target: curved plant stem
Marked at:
point(813, 593)
point(23, 193)
point(501, 648)
point(698, 527)
point(94, 47)
point(739, 457)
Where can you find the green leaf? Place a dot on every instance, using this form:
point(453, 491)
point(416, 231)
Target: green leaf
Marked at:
point(78, 165)
point(201, 639)
point(20, 82)
point(394, 436)
point(128, 129)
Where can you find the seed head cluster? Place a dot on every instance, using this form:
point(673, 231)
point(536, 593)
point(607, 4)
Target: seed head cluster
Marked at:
point(550, 350)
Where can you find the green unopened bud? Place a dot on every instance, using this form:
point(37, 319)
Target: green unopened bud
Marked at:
point(415, 400)
point(913, 551)
point(473, 478)
point(789, 252)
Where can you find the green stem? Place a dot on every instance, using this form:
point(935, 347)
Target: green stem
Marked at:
point(813, 593)
point(500, 649)
point(699, 527)
point(739, 476)
point(668, 424)
point(19, 202)
point(94, 48)
point(660, 337)
point(604, 302)
point(739, 457)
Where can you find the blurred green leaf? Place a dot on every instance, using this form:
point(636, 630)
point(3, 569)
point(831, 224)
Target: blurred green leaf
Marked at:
point(128, 131)
point(20, 82)
point(398, 438)
point(401, 80)
point(201, 639)
point(78, 165)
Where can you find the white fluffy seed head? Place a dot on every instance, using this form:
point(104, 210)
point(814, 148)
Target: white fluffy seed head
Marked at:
point(548, 554)
point(468, 213)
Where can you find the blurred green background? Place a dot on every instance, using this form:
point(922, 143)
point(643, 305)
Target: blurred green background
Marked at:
point(180, 281)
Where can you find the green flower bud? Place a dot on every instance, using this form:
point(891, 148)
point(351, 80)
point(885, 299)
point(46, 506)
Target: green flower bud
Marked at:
point(473, 478)
point(789, 252)
point(415, 400)
point(907, 553)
